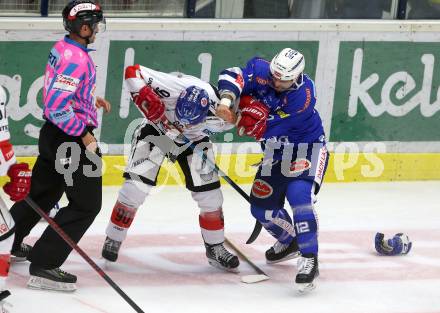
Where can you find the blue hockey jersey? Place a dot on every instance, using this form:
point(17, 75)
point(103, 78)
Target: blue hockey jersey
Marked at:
point(292, 116)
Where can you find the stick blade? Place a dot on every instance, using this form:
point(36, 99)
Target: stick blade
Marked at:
point(252, 279)
point(255, 232)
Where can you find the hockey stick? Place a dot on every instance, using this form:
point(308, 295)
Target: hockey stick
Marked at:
point(75, 247)
point(165, 124)
point(248, 279)
point(255, 232)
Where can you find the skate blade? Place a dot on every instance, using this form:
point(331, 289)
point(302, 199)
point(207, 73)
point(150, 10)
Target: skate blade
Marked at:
point(41, 283)
point(221, 267)
point(305, 288)
point(252, 279)
point(287, 257)
point(107, 265)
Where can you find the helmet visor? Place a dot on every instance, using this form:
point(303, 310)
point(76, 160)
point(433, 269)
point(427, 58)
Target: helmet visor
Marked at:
point(283, 85)
point(100, 26)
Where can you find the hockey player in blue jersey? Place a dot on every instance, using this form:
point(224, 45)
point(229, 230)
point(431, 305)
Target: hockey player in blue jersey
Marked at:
point(277, 107)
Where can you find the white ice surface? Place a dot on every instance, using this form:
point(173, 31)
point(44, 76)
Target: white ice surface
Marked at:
point(162, 266)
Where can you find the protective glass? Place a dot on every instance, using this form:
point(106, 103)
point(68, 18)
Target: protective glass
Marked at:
point(100, 26)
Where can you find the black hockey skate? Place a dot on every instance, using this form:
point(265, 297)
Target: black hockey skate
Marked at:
point(51, 279)
point(4, 294)
point(21, 254)
point(110, 249)
point(280, 252)
point(307, 272)
point(221, 258)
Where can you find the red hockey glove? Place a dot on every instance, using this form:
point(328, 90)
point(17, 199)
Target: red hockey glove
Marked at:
point(149, 104)
point(20, 184)
point(253, 116)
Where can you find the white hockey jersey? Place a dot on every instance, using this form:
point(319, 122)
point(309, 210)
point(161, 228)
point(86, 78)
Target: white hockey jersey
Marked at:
point(168, 87)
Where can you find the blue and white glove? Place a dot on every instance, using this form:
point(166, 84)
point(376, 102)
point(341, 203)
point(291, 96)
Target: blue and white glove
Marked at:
point(399, 244)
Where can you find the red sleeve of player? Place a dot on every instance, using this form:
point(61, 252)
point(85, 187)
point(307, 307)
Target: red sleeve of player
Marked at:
point(146, 100)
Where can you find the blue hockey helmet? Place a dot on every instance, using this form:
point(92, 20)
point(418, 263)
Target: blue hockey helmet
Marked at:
point(398, 245)
point(192, 106)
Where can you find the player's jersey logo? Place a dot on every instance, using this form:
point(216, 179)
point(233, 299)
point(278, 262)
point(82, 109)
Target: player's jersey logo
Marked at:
point(261, 189)
point(308, 101)
point(300, 165)
point(321, 164)
point(66, 83)
point(240, 82)
point(9, 155)
point(282, 114)
point(54, 56)
point(261, 81)
point(67, 54)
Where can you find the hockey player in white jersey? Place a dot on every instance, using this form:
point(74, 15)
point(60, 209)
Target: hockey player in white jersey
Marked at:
point(189, 104)
point(17, 189)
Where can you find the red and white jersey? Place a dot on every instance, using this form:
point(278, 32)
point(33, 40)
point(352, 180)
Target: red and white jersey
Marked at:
point(7, 156)
point(168, 87)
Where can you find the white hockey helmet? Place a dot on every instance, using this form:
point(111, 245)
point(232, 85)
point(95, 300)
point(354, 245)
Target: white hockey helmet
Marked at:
point(287, 65)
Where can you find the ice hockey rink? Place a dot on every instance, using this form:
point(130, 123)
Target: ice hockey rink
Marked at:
point(162, 265)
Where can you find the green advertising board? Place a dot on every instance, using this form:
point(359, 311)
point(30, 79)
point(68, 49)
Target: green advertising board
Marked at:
point(387, 91)
point(377, 84)
point(22, 68)
point(383, 90)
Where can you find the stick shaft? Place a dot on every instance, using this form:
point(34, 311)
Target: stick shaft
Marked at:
point(84, 255)
point(244, 257)
point(166, 124)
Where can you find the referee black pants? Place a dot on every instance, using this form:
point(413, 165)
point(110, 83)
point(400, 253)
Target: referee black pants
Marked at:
point(53, 175)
